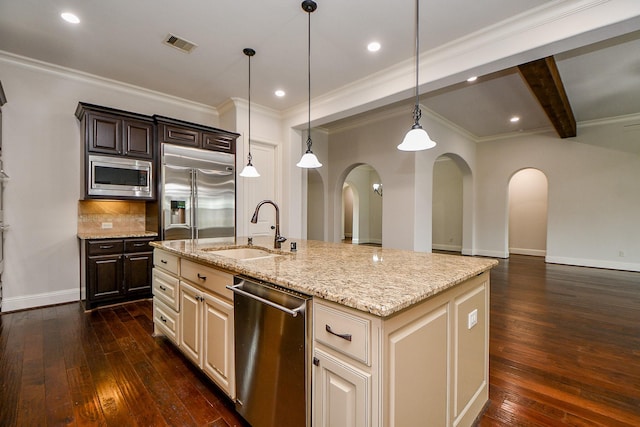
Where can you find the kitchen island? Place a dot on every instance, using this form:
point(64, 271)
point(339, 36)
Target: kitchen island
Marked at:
point(397, 337)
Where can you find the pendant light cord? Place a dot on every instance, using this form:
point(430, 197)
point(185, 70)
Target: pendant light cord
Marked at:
point(249, 157)
point(309, 83)
point(416, 112)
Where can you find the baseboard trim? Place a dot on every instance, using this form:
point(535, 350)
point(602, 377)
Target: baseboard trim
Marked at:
point(524, 251)
point(40, 300)
point(444, 247)
point(595, 263)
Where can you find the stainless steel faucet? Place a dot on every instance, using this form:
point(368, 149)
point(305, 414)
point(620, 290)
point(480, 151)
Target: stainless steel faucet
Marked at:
point(277, 242)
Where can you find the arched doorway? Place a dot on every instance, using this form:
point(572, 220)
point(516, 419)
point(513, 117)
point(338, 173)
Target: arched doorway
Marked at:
point(447, 206)
point(528, 206)
point(365, 204)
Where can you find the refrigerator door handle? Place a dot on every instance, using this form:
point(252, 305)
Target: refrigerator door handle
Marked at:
point(194, 204)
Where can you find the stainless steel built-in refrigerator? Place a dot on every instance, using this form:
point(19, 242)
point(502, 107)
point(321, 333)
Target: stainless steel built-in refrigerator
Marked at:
point(198, 193)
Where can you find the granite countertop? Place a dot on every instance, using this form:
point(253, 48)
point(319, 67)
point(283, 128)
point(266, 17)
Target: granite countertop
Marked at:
point(108, 234)
point(376, 280)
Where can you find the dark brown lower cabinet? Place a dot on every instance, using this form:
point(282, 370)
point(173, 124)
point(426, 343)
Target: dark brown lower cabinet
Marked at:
point(115, 270)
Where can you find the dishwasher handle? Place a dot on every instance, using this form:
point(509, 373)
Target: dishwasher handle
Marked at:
point(294, 313)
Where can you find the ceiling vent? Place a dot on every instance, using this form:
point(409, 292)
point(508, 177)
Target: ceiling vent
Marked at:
point(179, 43)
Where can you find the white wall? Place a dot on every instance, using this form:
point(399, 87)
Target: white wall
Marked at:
point(594, 201)
point(41, 152)
point(407, 177)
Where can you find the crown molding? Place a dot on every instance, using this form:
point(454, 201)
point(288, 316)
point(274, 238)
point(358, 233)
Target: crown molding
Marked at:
point(81, 76)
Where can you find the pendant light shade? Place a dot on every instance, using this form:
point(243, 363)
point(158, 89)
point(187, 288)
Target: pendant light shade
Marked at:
point(417, 138)
point(249, 171)
point(309, 160)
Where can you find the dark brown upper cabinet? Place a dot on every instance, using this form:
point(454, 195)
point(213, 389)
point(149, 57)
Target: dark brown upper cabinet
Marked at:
point(172, 131)
point(116, 132)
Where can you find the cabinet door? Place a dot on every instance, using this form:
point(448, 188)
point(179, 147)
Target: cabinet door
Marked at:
point(190, 322)
point(137, 272)
point(341, 393)
point(138, 138)
point(105, 133)
point(218, 351)
point(219, 142)
point(104, 277)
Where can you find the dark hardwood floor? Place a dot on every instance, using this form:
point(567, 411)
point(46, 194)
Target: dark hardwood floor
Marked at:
point(62, 367)
point(564, 346)
point(565, 350)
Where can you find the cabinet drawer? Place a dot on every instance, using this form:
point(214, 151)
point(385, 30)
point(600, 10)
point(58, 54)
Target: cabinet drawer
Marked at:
point(207, 278)
point(137, 245)
point(105, 247)
point(166, 261)
point(354, 331)
point(165, 288)
point(166, 320)
point(179, 135)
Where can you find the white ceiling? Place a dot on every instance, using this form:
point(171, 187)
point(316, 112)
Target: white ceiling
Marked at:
point(122, 40)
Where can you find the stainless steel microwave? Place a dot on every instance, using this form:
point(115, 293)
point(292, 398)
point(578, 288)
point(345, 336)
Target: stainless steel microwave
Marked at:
point(119, 177)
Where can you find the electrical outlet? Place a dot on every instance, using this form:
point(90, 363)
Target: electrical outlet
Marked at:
point(621, 253)
point(106, 225)
point(473, 319)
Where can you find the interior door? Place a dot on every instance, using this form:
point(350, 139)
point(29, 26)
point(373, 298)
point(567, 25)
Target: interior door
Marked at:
point(215, 201)
point(177, 202)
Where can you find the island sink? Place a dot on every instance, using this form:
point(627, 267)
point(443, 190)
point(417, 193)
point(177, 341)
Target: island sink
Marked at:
point(244, 254)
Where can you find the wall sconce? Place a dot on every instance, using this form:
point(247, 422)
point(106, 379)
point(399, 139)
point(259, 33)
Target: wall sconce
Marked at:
point(377, 188)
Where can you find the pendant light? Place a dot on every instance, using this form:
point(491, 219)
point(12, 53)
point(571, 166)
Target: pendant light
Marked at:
point(309, 160)
point(417, 138)
point(249, 171)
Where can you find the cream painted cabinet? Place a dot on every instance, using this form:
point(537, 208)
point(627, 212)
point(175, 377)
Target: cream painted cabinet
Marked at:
point(424, 366)
point(193, 308)
point(218, 344)
point(342, 393)
point(206, 334)
point(345, 365)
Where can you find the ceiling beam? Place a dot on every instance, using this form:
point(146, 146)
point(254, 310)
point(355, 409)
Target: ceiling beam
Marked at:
point(544, 80)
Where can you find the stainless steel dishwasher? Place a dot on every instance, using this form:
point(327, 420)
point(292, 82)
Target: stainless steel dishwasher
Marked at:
point(271, 337)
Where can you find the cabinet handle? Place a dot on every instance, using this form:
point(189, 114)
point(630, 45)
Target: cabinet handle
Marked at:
point(316, 361)
point(162, 288)
point(163, 261)
point(106, 246)
point(202, 277)
point(343, 336)
point(137, 245)
point(164, 319)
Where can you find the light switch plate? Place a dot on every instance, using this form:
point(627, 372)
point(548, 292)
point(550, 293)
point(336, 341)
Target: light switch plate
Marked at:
point(473, 319)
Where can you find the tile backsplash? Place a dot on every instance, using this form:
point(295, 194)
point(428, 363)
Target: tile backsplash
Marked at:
point(124, 216)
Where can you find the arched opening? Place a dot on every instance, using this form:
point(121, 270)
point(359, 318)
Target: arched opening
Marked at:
point(364, 205)
point(447, 206)
point(528, 206)
point(315, 206)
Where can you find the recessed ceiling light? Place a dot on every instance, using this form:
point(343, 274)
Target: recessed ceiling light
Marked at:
point(280, 93)
point(472, 79)
point(373, 47)
point(70, 17)
point(514, 119)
